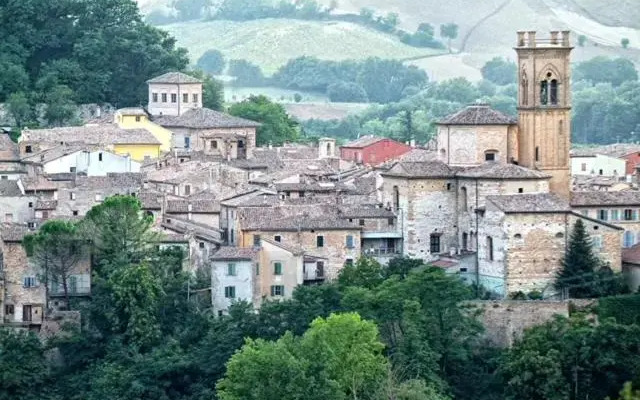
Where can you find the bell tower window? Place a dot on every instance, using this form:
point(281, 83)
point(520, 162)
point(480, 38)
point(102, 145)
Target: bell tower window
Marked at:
point(544, 93)
point(553, 92)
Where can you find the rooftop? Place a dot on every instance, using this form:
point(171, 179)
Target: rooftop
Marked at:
point(478, 114)
point(174, 77)
point(203, 118)
point(421, 169)
point(197, 206)
point(631, 255)
point(8, 149)
point(13, 232)
point(235, 253)
point(530, 203)
point(364, 141)
point(9, 188)
point(322, 216)
point(497, 170)
point(90, 134)
point(601, 198)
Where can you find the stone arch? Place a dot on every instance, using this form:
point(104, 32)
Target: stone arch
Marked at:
point(555, 73)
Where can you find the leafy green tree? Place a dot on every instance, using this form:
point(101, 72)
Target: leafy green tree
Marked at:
point(346, 92)
point(499, 71)
point(449, 31)
point(57, 248)
point(60, 108)
point(385, 80)
point(277, 127)
point(606, 70)
point(402, 266)
point(583, 274)
point(366, 273)
point(212, 62)
point(624, 42)
point(582, 39)
point(23, 366)
point(14, 78)
point(458, 90)
point(627, 392)
point(20, 109)
point(246, 73)
point(120, 231)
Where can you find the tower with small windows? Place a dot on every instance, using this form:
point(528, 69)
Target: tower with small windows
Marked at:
point(544, 106)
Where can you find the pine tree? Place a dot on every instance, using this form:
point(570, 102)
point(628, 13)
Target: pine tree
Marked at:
point(579, 265)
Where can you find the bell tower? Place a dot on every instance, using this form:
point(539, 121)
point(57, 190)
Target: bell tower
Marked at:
point(544, 106)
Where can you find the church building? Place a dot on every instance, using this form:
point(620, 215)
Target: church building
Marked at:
point(495, 204)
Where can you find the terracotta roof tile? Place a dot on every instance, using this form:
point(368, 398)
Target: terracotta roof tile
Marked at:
point(497, 170)
point(9, 188)
point(90, 134)
point(478, 114)
point(203, 118)
point(530, 203)
point(597, 198)
point(421, 169)
point(364, 141)
point(13, 232)
point(235, 253)
point(631, 255)
point(174, 77)
point(8, 149)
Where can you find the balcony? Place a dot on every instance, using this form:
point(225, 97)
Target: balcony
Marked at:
point(382, 252)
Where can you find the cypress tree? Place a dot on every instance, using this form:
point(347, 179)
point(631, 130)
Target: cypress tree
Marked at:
point(579, 265)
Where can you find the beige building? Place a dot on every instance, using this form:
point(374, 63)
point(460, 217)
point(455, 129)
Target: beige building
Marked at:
point(174, 93)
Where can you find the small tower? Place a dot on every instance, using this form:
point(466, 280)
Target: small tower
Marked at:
point(326, 148)
point(173, 94)
point(544, 106)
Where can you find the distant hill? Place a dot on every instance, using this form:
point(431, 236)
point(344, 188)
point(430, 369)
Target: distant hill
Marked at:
point(487, 29)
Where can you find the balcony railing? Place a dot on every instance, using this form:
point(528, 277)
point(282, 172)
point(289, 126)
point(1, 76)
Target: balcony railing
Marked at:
point(382, 251)
point(313, 275)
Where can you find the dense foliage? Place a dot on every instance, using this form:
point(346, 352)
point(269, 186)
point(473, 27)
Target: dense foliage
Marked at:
point(68, 51)
point(212, 62)
point(276, 125)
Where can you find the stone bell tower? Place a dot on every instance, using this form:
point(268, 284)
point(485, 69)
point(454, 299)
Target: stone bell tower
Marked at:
point(544, 106)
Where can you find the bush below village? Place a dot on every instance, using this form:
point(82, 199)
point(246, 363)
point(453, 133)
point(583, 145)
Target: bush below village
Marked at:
point(404, 331)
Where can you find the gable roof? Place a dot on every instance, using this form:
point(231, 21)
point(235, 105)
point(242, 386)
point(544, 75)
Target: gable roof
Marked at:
point(420, 169)
point(235, 253)
point(13, 232)
point(8, 149)
point(174, 77)
point(597, 198)
point(530, 203)
point(203, 118)
point(478, 114)
point(364, 141)
point(497, 170)
point(90, 134)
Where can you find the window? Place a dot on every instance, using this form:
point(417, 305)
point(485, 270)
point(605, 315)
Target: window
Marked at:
point(72, 196)
point(187, 142)
point(320, 269)
point(30, 281)
point(490, 156)
point(138, 118)
point(600, 172)
point(230, 292)
point(31, 225)
point(154, 97)
point(537, 153)
point(544, 93)
point(256, 240)
point(27, 149)
point(277, 238)
point(434, 243)
point(603, 215)
point(348, 261)
point(8, 217)
point(195, 97)
point(98, 197)
point(277, 268)
point(30, 204)
point(448, 186)
point(164, 97)
point(187, 190)
point(583, 167)
point(185, 97)
point(9, 309)
point(277, 290)
point(553, 92)
point(201, 245)
point(45, 215)
point(463, 193)
point(214, 144)
point(75, 213)
point(391, 222)
point(99, 156)
point(319, 241)
point(361, 222)
point(240, 144)
point(257, 269)
point(174, 98)
point(26, 313)
point(231, 269)
point(615, 215)
point(465, 240)
point(517, 236)
point(489, 248)
point(629, 214)
point(396, 198)
point(4, 177)
point(596, 242)
point(349, 242)
point(628, 239)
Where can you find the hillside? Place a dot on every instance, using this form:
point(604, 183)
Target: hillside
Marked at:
point(270, 43)
point(487, 29)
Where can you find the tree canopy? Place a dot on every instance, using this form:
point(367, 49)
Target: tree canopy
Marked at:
point(277, 127)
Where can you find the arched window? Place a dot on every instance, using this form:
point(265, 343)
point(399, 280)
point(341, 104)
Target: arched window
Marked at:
point(544, 93)
point(489, 248)
point(553, 92)
point(463, 195)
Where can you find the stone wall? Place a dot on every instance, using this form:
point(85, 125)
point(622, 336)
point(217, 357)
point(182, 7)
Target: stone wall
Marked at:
point(505, 321)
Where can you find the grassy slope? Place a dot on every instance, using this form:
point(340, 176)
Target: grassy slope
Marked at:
point(270, 43)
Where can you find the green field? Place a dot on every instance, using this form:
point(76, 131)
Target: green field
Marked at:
point(270, 43)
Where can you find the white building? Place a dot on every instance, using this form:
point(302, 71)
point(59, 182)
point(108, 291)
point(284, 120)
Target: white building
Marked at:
point(232, 276)
point(173, 94)
point(591, 164)
point(90, 162)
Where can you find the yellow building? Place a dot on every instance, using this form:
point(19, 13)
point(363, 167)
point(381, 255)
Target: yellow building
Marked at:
point(137, 118)
point(140, 144)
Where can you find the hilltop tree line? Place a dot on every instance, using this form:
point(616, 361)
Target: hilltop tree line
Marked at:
point(405, 331)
